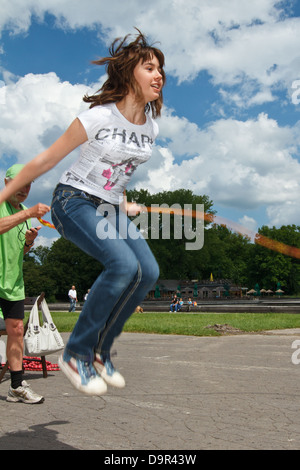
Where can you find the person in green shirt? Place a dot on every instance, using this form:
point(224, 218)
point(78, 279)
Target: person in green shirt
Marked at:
point(16, 238)
point(2, 322)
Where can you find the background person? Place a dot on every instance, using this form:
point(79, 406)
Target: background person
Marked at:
point(86, 295)
point(16, 238)
point(72, 294)
point(173, 303)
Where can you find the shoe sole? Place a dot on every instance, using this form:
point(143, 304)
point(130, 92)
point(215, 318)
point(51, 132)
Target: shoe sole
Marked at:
point(27, 402)
point(82, 388)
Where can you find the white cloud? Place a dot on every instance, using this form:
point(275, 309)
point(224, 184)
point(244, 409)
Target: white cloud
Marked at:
point(249, 50)
point(33, 105)
point(238, 42)
point(286, 213)
point(239, 164)
point(248, 222)
point(37, 110)
point(44, 241)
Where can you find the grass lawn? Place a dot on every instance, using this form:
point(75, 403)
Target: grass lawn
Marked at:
point(190, 324)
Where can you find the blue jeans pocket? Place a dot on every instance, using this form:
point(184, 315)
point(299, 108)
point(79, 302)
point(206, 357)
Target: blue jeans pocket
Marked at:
point(61, 197)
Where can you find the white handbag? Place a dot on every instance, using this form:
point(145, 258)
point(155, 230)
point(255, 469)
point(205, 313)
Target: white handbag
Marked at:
point(41, 340)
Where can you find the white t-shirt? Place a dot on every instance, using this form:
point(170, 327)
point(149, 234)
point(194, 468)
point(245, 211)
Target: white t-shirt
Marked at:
point(114, 149)
point(72, 293)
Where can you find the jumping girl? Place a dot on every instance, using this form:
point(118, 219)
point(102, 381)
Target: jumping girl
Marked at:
point(116, 134)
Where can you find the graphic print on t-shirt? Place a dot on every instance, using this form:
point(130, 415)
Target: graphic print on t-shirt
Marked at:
point(110, 156)
point(115, 171)
point(117, 159)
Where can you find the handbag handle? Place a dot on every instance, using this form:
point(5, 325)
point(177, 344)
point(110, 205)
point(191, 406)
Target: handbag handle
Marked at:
point(47, 315)
point(34, 317)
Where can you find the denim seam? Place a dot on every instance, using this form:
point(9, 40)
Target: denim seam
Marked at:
point(67, 195)
point(63, 201)
point(59, 226)
point(111, 322)
point(76, 192)
point(116, 315)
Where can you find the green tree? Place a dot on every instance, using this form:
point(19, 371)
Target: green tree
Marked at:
point(226, 254)
point(175, 261)
point(268, 267)
point(67, 265)
point(230, 253)
point(36, 276)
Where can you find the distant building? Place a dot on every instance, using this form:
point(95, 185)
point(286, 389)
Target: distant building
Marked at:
point(200, 289)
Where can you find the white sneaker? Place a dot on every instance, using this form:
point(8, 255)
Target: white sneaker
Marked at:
point(108, 372)
point(82, 375)
point(24, 394)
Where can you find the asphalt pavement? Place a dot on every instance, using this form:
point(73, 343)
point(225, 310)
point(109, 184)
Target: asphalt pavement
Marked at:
point(183, 393)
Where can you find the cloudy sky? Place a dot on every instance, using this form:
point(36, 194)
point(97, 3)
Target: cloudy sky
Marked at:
point(231, 118)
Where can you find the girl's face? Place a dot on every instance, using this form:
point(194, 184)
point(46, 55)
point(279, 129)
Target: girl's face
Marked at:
point(148, 76)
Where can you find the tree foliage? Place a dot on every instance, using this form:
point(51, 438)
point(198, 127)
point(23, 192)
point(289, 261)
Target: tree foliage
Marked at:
point(55, 270)
point(272, 267)
point(225, 254)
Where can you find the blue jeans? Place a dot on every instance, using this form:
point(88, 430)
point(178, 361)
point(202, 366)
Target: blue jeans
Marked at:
point(72, 305)
point(130, 269)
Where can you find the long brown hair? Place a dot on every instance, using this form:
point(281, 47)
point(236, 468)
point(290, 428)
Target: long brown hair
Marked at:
point(119, 67)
